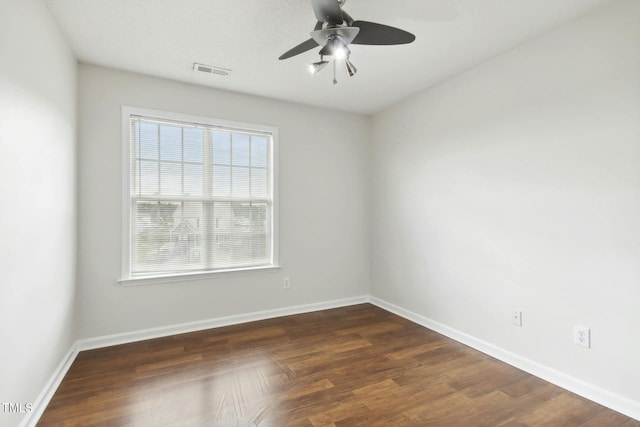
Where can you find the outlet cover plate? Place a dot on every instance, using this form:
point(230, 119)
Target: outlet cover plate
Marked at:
point(516, 317)
point(582, 336)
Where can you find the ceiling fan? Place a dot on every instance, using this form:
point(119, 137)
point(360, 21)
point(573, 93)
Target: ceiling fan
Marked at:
point(336, 30)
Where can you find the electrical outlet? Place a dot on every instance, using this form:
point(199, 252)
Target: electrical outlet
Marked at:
point(286, 283)
point(582, 336)
point(516, 317)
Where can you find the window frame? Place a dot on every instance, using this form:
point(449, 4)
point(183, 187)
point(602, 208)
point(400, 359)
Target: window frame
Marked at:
point(126, 279)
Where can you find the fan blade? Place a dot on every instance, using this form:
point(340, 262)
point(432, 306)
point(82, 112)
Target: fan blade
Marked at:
point(302, 47)
point(378, 34)
point(328, 11)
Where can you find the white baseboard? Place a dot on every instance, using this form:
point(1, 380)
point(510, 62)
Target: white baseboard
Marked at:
point(31, 419)
point(599, 395)
point(163, 331)
point(50, 388)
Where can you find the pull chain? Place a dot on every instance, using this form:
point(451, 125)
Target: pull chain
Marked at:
point(335, 81)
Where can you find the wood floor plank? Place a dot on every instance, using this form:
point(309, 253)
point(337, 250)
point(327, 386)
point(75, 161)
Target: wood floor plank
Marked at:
point(353, 366)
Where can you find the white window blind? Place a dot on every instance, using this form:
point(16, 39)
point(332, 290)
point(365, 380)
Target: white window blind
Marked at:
point(200, 197)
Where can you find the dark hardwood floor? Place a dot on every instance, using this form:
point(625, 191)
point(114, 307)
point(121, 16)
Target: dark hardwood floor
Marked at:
point(352, 366)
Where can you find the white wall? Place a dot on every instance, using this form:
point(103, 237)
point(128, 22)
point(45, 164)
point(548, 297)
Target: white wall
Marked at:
point(516, 185)
point(323, 174)
point(37, 193)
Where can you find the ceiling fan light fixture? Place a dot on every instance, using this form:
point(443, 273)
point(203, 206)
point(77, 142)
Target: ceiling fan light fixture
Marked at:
point(317, 66)
point(341, 52)
point(335, 47)
point(351, 69)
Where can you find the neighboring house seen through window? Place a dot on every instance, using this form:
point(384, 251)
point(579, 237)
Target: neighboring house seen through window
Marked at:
point(200, 195)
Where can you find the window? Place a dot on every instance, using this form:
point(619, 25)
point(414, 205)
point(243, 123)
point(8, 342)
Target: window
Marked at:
point(198, 195)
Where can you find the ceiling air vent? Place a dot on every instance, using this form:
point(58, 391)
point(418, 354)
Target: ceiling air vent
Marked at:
point(210, 69)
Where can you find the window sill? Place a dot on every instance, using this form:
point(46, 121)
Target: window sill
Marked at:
point(156, 280)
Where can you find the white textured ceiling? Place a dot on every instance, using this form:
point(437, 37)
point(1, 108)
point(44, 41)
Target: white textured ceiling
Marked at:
point(165, 37)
